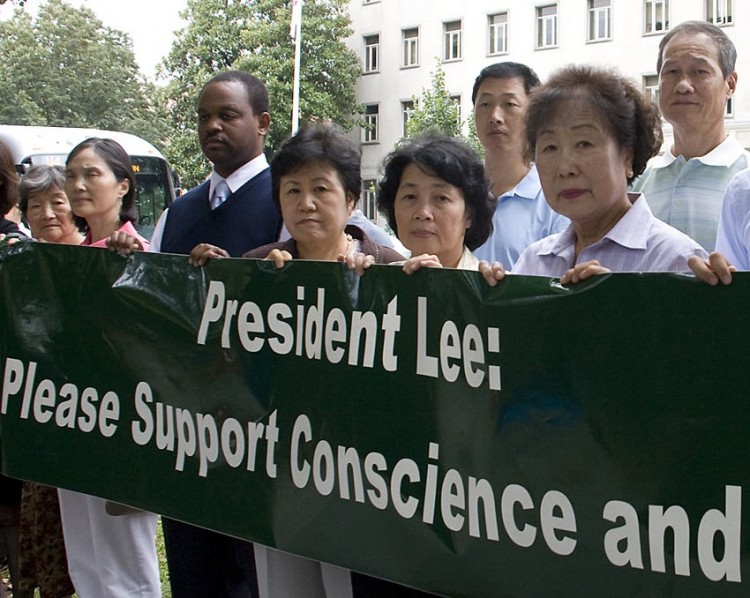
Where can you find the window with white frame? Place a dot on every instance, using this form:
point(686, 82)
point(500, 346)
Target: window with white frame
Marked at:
point(651, 87)
point(407, 108)
point(457, 101)
point(546, 26)
point(452, 40)
point(657, 16)
point(719, 12)
point(370, 128)
point(410, 39)
point(369, 200)
point(372, 53)
point(497, 29)
point(600, 20)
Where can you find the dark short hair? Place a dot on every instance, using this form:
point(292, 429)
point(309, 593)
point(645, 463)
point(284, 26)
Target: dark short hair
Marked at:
point(119, 163)
point(727, 51)
point(630, 117)
point(8, 181)
point(506, 70)
point(257, 94)
point(40, 178)
point(319, 142)
point(454, 162)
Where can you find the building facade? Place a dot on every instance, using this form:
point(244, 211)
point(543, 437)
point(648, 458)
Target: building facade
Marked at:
point(401, 43)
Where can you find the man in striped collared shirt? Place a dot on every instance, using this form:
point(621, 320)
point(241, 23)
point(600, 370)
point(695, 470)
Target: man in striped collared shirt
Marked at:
point(685, 186)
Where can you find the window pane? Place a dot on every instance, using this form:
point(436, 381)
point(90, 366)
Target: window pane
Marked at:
point(369, 201)
point(719, 12)
point(370, 130)
point(406, 109)
point(599, 21)
point(372, 51)
point(497, 32)
point(657, 13)
point(651, 87)
point(452, 40)
point(410, 47)
point(547, 26)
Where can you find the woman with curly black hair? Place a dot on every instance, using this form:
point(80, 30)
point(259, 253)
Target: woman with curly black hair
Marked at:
point(436, 198)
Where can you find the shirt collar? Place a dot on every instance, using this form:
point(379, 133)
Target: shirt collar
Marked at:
point(468, 261)
point(630, 231)
point(722, 155)
point(240, 176)
point(527, 187)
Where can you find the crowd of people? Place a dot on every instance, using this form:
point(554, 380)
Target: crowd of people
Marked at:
point(572, 185)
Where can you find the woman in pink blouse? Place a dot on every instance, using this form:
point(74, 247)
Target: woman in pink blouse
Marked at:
point(111, 548)
point(101, 188)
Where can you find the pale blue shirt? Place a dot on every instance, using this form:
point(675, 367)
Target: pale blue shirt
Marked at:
point(639, 242)
point(372, 230)
point(235, 180)
point(521, 217)
point(733, 239)
point(688, 193)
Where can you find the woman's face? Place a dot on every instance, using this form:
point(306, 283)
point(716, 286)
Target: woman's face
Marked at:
point(431, 216)
point(314, 204)
point(50, 217)
point(92, 187)
point(581, 167)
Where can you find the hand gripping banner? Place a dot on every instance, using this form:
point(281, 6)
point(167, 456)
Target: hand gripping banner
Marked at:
point(524, 440)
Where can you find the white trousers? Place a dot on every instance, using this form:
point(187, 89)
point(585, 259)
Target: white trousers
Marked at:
point(284, 575)
point(112, 556)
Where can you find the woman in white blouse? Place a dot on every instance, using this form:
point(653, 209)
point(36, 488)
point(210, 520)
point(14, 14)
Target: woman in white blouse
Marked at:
point(436, 198)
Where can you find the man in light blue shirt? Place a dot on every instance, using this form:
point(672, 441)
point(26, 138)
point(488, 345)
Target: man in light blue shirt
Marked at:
point(733, 239)
point(522, 216)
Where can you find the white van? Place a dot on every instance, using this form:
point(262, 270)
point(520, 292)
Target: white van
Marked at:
point(51, 145)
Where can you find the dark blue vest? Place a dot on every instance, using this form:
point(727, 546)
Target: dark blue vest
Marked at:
point(247, 219)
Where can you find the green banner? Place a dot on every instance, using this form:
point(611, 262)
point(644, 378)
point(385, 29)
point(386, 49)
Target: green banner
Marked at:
point(523, 440)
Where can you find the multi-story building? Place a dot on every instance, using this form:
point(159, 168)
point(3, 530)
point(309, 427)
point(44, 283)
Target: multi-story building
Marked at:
point(401, 42)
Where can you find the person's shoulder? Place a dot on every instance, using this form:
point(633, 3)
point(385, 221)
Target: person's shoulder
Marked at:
point(129, 229)
point(260, 178)
point(8, 226)
point(524, 263)
point(663, 233)
point(740, 181)
point(531, 184)
point(545, 243)
point(386, 255)
point(263, 251)
point(197, 190)
point(201, 191)
point(258, 189)
point(382, 253)
point(737, 193)
point(639, 183)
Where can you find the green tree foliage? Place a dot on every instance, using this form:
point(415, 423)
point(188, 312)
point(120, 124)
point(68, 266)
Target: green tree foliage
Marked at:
point(253, 35)
point(436, 109)
point(65, 68)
